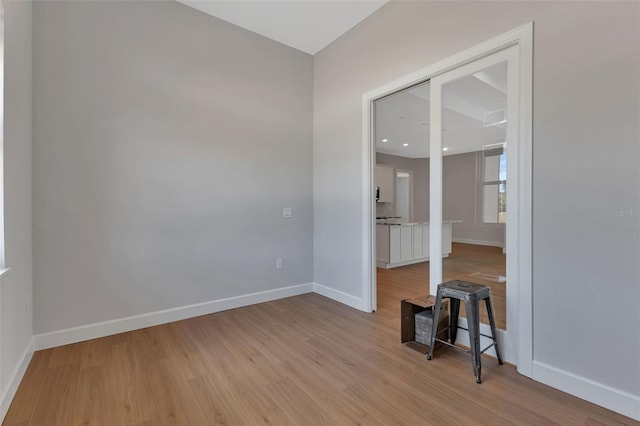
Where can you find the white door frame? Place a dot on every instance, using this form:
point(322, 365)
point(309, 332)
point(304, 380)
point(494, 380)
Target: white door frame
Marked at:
point(522, 37)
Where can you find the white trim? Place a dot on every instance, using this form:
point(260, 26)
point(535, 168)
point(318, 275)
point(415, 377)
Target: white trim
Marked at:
point(15, 380)
point(589, 390)
point(369, 277)
point(522, 37)
point(524, 242)
point(339, 296)
point(478, 242)
point(107, 328)
point(435, 187)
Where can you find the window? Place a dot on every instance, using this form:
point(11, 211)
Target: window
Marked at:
point(494, 184)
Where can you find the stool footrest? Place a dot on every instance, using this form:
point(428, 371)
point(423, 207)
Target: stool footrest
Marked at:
point(444, 342)
point(466, 329)
point(485, 349)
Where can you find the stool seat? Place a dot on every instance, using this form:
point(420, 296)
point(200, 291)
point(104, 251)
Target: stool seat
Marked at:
point(463, 289)
point(471, 294)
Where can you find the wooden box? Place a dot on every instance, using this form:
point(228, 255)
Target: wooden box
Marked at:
point(408, 310)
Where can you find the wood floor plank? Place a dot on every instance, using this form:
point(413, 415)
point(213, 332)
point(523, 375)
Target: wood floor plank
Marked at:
point(67, 354)
point(216, 402)
point(56, 403)
point(94, 406)
point(313, 380)
point(130, 379)
point(256, 403)
point(96, 352)
point(298, 405)
point(385, 409)
point(173, 395)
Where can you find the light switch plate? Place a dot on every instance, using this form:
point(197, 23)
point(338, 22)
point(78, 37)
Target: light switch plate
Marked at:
point(287, 212)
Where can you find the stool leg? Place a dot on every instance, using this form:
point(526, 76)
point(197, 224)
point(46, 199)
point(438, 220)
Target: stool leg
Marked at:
point(473, 322)
point(434, 327)
point(453, 319)
point(492, 322)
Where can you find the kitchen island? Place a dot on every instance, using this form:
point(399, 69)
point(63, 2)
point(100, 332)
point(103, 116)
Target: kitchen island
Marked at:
point(403, 243)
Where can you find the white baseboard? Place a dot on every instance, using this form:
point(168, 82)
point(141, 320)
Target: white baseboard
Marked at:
point(478, 242)
point(15, 380)
point(507, 351)
point(108, 328)
point(339, 296)
point(589, 390)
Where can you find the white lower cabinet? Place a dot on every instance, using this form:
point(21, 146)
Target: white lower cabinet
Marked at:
point(418, 241)
point(406, 242)
point(394, 243)
point(398, 245)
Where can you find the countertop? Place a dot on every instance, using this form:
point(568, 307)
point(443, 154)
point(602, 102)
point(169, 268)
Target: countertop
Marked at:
point(400, 222)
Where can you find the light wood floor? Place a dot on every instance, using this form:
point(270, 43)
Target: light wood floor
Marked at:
point(305, 360)
point(467, 262)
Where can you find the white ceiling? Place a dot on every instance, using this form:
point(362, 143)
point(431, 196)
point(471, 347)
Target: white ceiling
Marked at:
point(471, 105)
point(307, 25)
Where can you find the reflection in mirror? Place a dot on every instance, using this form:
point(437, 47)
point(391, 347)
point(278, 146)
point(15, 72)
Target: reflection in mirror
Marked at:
point(474, 180)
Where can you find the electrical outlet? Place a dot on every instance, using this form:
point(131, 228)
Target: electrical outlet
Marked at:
point(279, 263)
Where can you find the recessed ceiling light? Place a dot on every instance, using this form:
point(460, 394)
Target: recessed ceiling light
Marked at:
point(445, 149)
point(405, 144)
point(385, 140)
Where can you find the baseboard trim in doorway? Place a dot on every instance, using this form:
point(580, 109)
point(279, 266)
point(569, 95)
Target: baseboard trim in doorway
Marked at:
point(121, 325)
point(589, 390)
point(478, 242)
point(339, 296)
point(16, 378)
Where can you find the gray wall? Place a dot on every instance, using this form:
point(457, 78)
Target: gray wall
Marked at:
point(166, 143)
point(586, 162)
point(16, 288)
point(420, 168)
point(461, 201)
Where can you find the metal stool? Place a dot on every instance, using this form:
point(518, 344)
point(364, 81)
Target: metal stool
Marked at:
point(472, 294)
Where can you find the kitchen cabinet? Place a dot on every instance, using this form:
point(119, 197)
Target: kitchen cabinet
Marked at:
point(385, 181)
point(382, 244)
point(399, 244)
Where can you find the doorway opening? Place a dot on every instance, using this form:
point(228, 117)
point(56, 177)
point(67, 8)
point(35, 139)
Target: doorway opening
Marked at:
point(473, 189)
point(466, 105)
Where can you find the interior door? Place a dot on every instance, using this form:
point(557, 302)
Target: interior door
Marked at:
point(474, 113)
